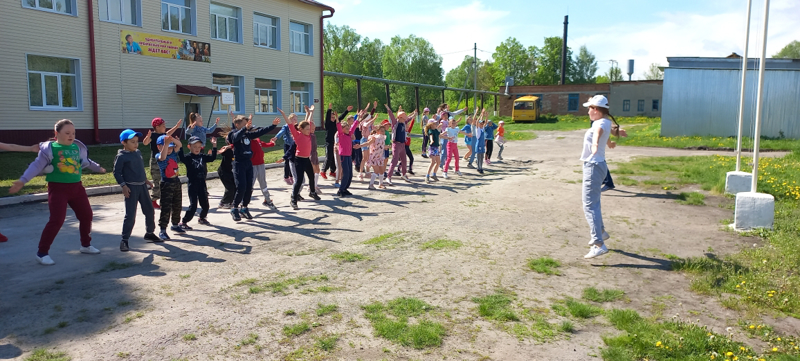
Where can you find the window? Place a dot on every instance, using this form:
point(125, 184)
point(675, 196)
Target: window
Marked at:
point(300, 38)
point(53, 83)
point(572, 105)
point(640, 106)
point(655, 104)
point(120, 11)
point(266, 92)
point(301, 96)
point(224, 23)
point(58, 6)
point(177, 15)
point(266, 31)
point(228, 83)
point(626, 105)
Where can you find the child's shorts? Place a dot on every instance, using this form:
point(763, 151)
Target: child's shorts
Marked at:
point(468, 140)
point(387, 153)
point(433, 151)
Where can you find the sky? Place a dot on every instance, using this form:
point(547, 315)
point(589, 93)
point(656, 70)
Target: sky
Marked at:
point(647, 31)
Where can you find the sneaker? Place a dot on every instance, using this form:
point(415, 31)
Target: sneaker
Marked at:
point(596, 251)
point(151, 237)
point(225, 206)
point(411, 172)
point(606, 188)
point(155, 204)
point(163, 236)
point(90, 250)
point(288, 181)
point(318, 191)
point(397, 173)
point(470, 166)
point(3, 238)
point(177, 229)
point(405, 178)
point(300, 198)
point(45, 260)
point(424, 155)
point(488, 162)
point(123, 246)
point(294, 205)
point(480, 171)
point(427, 179)
point(184, 226)
point(323, 175)
point(333, 174)
point(435, 177)
point(336, 185)
point(315, 196)
point(235, 214)
point(271, 205)
point(361, 177)
point(445, 175)
point(499, 158)
point(371, 187)
point(388, 181)
point(347, 193)
point(246, 213)
point(203, 221)
point(339, 194)
point(458, 172)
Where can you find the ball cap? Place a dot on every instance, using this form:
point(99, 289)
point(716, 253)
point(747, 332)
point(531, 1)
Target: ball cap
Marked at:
point(597, 101)
point(426, 110)
point(501, 122)
point(161, 140)
point(157, 121)
point(129, 134)
point(194, 139)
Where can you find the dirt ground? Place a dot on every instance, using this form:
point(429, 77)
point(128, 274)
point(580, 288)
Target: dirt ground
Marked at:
point(140, 305)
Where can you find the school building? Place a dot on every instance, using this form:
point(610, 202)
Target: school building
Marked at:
point(625, 98)
point(109, 65)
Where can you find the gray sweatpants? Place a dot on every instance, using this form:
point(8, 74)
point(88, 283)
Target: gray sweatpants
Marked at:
point(593, 176)
point(260, 175)
point(139, 196)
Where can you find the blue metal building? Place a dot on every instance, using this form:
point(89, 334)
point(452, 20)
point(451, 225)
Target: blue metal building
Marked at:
point(701, 97)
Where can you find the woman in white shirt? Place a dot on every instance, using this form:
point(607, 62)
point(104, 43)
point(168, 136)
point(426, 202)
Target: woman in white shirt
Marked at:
point(595, 171)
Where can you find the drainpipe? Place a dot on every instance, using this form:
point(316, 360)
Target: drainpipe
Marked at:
point(93, 66)
point(321, 64)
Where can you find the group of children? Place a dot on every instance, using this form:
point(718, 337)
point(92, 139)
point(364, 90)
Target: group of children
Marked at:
point(358, 143)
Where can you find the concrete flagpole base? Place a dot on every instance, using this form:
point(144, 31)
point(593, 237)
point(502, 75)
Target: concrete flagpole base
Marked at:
point(736, 182)
point(754, 210)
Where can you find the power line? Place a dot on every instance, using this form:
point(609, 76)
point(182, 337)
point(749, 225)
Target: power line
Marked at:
point(456, 52)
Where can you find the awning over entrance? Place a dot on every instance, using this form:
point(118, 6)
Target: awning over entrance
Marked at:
point(197, 91)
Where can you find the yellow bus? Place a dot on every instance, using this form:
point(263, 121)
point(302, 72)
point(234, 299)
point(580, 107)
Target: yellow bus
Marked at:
point(526, 109)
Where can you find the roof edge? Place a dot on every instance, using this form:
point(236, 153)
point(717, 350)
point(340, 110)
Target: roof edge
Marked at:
point(318, 4)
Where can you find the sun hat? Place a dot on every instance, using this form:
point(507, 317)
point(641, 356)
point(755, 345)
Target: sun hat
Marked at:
point(161, 140)
point(385, 122)
point(426, 110)
point(401, 114)
point(194, 139)
point(597, 101)
point(501, 122)
point(157, 121)
point(128, 134)
point(430, 121)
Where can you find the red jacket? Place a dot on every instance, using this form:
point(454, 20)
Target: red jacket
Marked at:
point(408, 131)
point(257, 145)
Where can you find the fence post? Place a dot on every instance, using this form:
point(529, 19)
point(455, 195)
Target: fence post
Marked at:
point(442, 96)
point(482, 96)
point(416, 96)
point(358, 93)
point(496, 111)
point(388, 97)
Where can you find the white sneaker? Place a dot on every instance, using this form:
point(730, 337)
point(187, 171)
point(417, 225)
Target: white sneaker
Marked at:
point(596, 251)
point(445, 175)
point(388, 181)
point(405, 178)
point(458, 172)
point(90, 250)
point(46, 260)
point(605, 236)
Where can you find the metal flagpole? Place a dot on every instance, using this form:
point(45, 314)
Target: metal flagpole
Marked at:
point(744, 89)
point(760, 99)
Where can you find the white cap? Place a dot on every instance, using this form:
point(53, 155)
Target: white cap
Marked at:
point(597, 101)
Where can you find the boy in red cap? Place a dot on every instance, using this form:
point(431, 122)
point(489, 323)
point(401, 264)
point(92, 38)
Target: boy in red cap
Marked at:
point(159, 129)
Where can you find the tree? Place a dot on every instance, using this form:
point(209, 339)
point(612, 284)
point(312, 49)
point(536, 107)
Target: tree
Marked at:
point(346, 52)
point(613, 74)
point(548, 62)
point(654, 73)
point(585, 67)
point(602, 79)
point(512, 59)
point(790, 51)
point(463, 76)
point(411, 59)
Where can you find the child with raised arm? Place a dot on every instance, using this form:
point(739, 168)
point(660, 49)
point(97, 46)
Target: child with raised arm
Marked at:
point(171, 194)
point(376, 143)
point(399, 136)
point(260, 169)
point(452, 132)
point(432, 134)
point(196, 128)
point(489, 129)
point(130, 175)
point(479, 141)
point(500, 139)
point(196, 172)
point(345, 151)
point(240, 139)
point(302, 136)
point(16, 148)
point(159, 129)
point(225, 172)
point(330, 132)
point(67, 157)
point(289, 150)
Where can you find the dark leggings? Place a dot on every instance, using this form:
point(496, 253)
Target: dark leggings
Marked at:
point(609, 182)
point(489, 148)
point(304, 169)
point(243, 176)
point(410, 158)
point(330, 161)
point(347, 173)
point(357, 158)
point(288, 156)
point(197, 193)
point(230, 187)
point(424, 145)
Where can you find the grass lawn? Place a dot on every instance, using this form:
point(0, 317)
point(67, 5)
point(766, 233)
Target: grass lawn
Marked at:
point(650, 136)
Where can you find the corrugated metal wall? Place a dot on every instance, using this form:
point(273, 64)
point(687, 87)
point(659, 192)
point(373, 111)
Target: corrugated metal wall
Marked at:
point(706, 102)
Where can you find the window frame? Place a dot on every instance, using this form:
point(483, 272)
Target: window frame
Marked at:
point(240, 100)
point(310, 92)
point(310, 35)
point(192, 13)
point(72, 3)
point(656, 105)
point(573, 98)
point(76, 65)
point(277, 29)
point(276, 98)
point(216, 17)
point(640, 105)
point(626, 105)
point(138, 13)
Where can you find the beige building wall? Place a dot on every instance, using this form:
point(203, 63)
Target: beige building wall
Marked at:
point(134, 89)
point(647, 90)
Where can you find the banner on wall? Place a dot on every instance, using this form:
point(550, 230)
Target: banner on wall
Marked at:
point(164, 46)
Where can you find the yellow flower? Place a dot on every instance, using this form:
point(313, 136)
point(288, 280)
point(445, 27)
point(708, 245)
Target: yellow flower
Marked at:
point(658, 344)
point(742, 348)
point(729, 354)
point(774, 349)
point(752, 327)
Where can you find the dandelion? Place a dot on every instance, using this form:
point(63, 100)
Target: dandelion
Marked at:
point(658, 344)
point(729, 354)
point(752, 327)
point(774, 349)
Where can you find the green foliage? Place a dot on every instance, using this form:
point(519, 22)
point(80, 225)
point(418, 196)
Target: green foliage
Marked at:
point(496, 307)
point(323, 310)
point(548, 62)
point(606, 295)
point(327, 343)
point(348, 256)
point(654, 73)
point(281, 285)
point(581, 310)
point(790, 51)
point(544, 265)
point(411, 59)
point(463, 76)
point(424, 334)
point(613, 74)
point(296, 329)
point(440, 244)
point(44, 355)
point(585, 67)
point(347, 52)
point(650, 136)
point(511, 58)
point(692, 198)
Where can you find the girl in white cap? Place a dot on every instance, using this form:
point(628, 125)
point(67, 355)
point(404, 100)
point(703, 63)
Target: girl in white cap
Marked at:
point(594, 172)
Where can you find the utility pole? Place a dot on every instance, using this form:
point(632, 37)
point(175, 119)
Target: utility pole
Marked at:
point(475, 68)
point(564, 53)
